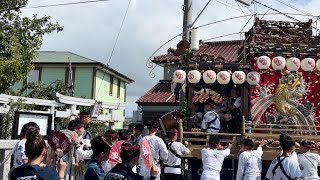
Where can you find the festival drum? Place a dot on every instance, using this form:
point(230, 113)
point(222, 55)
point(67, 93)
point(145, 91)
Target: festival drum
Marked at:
point(170, 120)
point(60, 141)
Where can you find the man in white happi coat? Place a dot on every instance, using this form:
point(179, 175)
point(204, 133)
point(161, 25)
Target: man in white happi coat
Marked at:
point(249, 165)
point(157, 146)
point(172, 166)
point(284, 166)
point(212, 159)
point(308, 162)
point(211, 122)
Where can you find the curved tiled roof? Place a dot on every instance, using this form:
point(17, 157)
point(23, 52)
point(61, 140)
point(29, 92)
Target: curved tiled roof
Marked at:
point(225, 49)
point(161, 93)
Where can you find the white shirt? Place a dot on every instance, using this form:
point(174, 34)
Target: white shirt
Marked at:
point(308, 163)
point(172, 160)
point(213, 127)
point(83, 155)
point(156, 145)
point(19, 153)
point(212, 161)
point(290, 165)
point(249, 165)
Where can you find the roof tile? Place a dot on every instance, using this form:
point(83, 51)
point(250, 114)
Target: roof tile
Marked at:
point(161, 93)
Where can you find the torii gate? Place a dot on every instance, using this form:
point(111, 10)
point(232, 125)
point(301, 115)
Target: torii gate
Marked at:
point(60, 101)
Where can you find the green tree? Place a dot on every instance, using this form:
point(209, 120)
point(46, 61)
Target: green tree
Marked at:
point(20, 38)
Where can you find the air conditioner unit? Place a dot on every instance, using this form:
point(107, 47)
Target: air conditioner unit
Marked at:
point(245, 2)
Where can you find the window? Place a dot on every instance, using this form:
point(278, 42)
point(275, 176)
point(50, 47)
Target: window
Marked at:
point(111, 86)
point(119, 88)
point(34, 76)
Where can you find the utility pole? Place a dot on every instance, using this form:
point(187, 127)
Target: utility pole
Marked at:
point(187, 19)
point(187, 22)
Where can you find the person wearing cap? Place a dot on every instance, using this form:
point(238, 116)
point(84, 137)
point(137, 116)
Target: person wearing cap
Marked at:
point(138, 132)
point(284, 167)
point(308, 162)
point(249, 165)
point(158, 148)
point(172, 166)
point(211, 122)
point(130, 152)
point(212, 159)
point(100, 147)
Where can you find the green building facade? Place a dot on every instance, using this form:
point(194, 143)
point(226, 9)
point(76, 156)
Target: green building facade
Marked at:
point(90, 79)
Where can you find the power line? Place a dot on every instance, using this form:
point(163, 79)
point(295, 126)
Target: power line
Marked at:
point(227, 5)
point(290, 17)
point(244, 14)
point(292, 7)
point(115, 43)
point(65, 4)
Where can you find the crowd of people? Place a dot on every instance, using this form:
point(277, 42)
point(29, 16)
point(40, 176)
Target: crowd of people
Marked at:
point(121, 155)
point(113, 155)
point(224, 117)
point(288, 165)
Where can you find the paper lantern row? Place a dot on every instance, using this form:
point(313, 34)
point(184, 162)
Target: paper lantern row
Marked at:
point(223, 77)
point(292, 64)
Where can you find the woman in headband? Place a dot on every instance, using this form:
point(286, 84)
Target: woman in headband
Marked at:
point(308, 162)
point(212, 159)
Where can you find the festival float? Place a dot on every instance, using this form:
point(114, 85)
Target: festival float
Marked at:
point(278, 73)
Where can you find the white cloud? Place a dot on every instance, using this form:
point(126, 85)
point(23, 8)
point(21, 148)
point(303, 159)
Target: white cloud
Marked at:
point(90, 30)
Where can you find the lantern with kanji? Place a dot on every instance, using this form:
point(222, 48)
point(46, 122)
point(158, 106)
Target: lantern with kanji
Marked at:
point(293, 64)
point(223, 77)
point(179, 76)
point(194, 76)
point(278, 63)
point(238, 77)
point(263, 62)
point(209, 77)
point(253, 78)
point(318, 64)
point(308, 64)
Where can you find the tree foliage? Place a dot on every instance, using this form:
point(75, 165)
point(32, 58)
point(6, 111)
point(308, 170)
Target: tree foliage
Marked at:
point(20, 38)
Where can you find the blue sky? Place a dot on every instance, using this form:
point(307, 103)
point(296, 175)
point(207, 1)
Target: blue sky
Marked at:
point(90, 30)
